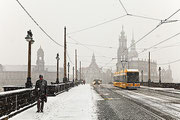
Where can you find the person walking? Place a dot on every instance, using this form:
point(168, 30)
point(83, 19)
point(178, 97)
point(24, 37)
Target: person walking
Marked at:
point(41, 93)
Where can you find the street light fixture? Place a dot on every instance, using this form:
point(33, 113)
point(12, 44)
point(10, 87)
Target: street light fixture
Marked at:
point(57, 58)
point(30, 41)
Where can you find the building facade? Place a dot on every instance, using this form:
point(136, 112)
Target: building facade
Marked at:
point(17, 74)
point(92, 71)
point(130, 60)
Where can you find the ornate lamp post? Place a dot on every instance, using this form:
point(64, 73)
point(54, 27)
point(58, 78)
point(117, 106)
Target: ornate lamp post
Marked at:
point(57, 58)
point(30, 41)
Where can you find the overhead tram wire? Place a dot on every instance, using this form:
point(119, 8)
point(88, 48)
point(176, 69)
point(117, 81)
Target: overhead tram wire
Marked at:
point(123, 7)
point(139, 16)
point(42, 29)
point(160, 42)
point(80, 43)
point(38, 24)
point(92, 45)
point(162, 22)
point(159, 48)
point(178, 60)
point(97, 25)
point(107, 63)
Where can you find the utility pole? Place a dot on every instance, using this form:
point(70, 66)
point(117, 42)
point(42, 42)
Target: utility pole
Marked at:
point(57, 58)
point(80, 72)
point(75, 66)
point(65, 76)
point(142, 76)
point(68, 70)
point(159, 75)
point(73, 74)
point(149, 71)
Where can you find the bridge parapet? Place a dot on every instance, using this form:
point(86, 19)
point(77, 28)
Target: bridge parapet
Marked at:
point(15, 101)
point(163, 85)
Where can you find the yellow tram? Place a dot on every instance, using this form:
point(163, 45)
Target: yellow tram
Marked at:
point(129, 79)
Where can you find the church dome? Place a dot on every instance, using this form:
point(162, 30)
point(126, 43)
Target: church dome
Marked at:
point(40, 51)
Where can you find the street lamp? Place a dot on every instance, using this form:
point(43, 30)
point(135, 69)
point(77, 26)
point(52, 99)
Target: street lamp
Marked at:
point(30, 41)
point(57, 58)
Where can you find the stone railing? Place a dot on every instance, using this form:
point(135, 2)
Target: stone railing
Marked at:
point(15, 101)
point(163, 85)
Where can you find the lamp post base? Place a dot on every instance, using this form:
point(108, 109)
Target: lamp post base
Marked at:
point(149, 82)
point(28, 84)
point(57, 80)
point(65, 79)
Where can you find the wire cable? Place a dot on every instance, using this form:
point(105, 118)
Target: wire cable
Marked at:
point(123, 7)
point(92, 45)
point(38, 24)
point(97, 25)
point(139, 16)
point(162, 22)
point(69, 58)
point(178, 60)
point(160, 42)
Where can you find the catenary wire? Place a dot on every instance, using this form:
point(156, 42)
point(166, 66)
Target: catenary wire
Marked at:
point(178, 60)
point(97, 25)
point(38, 24)
point(160, 42)
point(123, 7)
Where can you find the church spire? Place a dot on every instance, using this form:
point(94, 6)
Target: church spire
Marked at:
point(133, 42)
point(122, 32)
point(93, 58)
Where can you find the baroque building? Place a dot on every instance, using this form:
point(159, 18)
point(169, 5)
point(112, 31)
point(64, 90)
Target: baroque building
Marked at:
point(167, 75)
point(17, 74)
point(132, 61)
point(92, 71)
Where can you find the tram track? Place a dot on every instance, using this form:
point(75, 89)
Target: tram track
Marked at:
point(158, 113)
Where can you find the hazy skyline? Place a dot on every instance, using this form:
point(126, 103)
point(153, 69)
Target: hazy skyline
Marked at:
point(52, 16)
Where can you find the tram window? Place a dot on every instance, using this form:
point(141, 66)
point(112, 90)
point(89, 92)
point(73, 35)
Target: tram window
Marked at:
point(133, 77)
point(123, 78)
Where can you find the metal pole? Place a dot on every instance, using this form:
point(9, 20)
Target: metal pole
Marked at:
point(149, 72)
point(29, 83)
point(57, 57)
point(65, 76)
point(159, 75)
point(29, 61)
point(68, 70)
point(75, 66)
point(142, 76)
point(73, 73)
point(80, 71)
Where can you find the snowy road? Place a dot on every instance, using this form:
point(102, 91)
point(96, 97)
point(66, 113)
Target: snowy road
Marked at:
point(162, 102)
point(77, 104)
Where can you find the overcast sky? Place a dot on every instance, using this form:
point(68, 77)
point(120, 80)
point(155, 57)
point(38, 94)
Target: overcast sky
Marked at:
point(53, 15)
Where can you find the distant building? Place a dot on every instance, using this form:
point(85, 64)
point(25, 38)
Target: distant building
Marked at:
point(167, 75)
point(92, 72)
point(133, 62)
point(17, 74)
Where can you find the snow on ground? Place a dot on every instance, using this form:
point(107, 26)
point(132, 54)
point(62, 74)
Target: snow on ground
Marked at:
point(172, 90)
point(79, 103)
point(164, 104)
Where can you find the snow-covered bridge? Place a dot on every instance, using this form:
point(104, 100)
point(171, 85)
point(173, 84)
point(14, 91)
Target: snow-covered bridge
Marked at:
point(79, 103)
point(106, 102)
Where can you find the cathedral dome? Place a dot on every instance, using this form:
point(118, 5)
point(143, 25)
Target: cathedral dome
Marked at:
point(40, 50)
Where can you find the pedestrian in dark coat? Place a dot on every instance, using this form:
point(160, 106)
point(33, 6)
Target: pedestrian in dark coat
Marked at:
point(41, 93)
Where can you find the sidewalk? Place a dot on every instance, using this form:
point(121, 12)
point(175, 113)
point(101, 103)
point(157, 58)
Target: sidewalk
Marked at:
point(77, 104)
